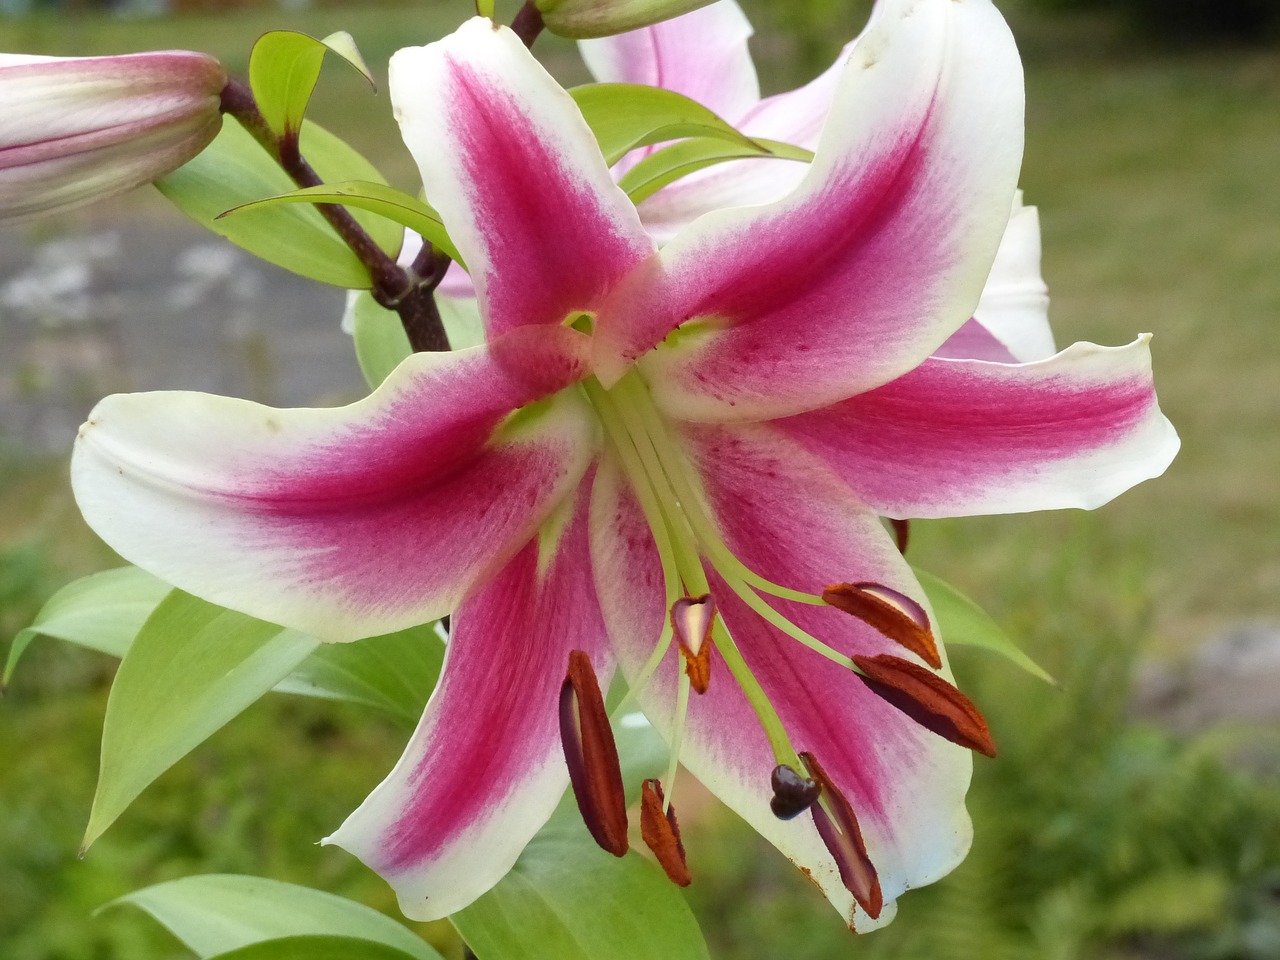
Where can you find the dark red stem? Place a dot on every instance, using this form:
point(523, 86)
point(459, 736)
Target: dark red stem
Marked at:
point(528, 23)
point(411, 293)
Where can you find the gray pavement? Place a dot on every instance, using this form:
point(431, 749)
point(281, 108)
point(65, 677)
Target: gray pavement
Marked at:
point(133, 296)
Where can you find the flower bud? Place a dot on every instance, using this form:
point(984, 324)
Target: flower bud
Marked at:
point(601, 18)
point(77, 129)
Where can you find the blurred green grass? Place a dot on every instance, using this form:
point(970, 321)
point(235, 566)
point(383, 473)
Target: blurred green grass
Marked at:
point(1155, 176)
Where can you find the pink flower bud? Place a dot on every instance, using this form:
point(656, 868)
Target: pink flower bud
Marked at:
point(601, 18)
point(73, 130)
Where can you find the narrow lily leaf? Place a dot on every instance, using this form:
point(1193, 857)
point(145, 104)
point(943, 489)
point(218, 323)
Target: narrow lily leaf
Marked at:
point(964, 622)
point(215, 913)
point(192, 668)
point(315, 948)
point(234, 170)
point(665, 166)
point(103, 612)
point(624, 116)
point(566, 899)
point(400, 208)
point(283, 69)
point(344, 45)
point(394, 673)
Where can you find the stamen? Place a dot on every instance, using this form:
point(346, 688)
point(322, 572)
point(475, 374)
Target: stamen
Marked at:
point(901, 533)
point(692, 619)
point(927, 699)
point(843, 838)
point(793, 794)
point(893, 613)
point(677, 730)
point(592, 756)
point(661, 833)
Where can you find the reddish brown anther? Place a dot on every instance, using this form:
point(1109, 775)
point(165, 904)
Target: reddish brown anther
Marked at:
point(928, 700)
point(901, 534)
point(592, 756)
point(793, 793)
point(890, 611)
point(661, 833)
point(843, 838)
point(692, 619)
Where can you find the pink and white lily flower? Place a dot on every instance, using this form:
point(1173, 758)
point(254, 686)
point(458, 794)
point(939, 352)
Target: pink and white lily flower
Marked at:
point(694, 443)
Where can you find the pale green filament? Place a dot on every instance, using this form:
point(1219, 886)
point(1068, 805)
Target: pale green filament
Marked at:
point(671, 499)
point(677, 739)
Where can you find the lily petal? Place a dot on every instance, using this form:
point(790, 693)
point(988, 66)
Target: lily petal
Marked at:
point(1011, 323)
point(505, 156)
point(702, 54)
point(485, 768)
point(872, 262)
point(789, 518)
point(796, 117)
point(964, 437)
point(345, 522)
point(1015, 302)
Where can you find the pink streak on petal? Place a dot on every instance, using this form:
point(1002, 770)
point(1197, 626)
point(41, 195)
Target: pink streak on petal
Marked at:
point(485, 767)
point(957, 437)
point(871, 262)
point(552, 243)
point(366, 510)
point(789, 519)
point(497, 709)
point(345, 522)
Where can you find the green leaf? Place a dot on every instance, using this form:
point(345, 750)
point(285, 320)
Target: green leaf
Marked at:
point(283, 69)
point(566, 899)
point(315, 948)
point(395, 672)
point(215, 913)
point(964, 622)
point(388, 202)
point(669, 164)
point(234, 170)
point(193, 667)
point(103, 612)
point(344, 45)
point(380, 340)
point(624, 116)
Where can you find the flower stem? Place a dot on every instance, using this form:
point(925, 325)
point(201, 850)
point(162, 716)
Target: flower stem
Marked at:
point(410, 295)
point(528, 23)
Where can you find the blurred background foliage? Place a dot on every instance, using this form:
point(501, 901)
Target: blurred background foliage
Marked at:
point(1110, 826)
